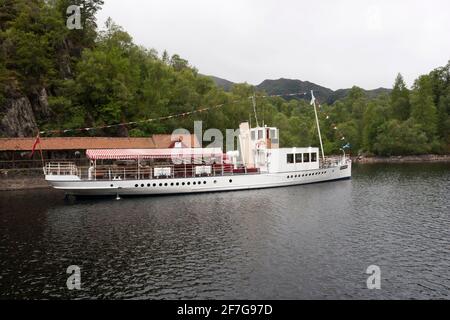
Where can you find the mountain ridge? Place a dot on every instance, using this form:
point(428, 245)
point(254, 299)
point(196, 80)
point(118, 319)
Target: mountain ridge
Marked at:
point(285, 86)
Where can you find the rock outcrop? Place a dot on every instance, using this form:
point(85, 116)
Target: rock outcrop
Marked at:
point(17, 118)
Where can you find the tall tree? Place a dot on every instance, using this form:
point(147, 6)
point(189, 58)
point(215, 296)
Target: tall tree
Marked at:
point(423, 110)
point(400, 99)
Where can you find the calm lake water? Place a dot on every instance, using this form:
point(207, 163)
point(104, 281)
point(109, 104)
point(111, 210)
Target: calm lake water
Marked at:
point(302, 242)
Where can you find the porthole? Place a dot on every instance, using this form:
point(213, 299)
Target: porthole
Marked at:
point(204, 182)
point(182, 183)
point(165, 184)
point(136, 185)
point(171, 184)
point(288, 177)
point(142, 185)
point(177, 183)
point(215, 181)
point(154, 184)
point(112, 185)
point(231, 181)
point(194, 183)
point(148, 184)
point(160, 184)
point(188, 183)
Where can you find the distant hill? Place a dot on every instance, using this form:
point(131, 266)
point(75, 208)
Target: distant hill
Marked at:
point(223, 83)
point(342, 93)
point(283, 86)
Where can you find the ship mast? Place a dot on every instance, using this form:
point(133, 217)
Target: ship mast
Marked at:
point(313, 102)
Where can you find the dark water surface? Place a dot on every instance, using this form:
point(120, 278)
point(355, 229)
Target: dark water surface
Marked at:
point(302, 242)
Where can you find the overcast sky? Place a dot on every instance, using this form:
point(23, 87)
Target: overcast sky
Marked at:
point(336, 44)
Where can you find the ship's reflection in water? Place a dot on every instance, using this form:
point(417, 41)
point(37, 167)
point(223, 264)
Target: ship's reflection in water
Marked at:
point(313, 241)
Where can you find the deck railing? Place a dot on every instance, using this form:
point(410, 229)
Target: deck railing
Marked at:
point(113, 173)
point(61, 168)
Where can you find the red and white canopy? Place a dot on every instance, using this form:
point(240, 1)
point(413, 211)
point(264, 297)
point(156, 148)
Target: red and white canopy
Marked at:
point(135, 154)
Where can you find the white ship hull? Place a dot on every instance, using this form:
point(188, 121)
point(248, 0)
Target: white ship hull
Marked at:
point(73, 185)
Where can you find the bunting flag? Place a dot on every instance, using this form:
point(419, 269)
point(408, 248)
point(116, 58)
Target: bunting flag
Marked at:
point(333, 125)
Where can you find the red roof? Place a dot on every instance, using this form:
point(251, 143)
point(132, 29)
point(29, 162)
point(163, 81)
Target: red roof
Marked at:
point(83, 143)
point(134, 154)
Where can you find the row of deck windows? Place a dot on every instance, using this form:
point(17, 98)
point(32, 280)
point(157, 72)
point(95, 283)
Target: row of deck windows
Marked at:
point(173, 184)
point(306, 174)
point(301, 157)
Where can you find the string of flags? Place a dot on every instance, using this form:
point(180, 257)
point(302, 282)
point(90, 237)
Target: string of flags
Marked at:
point(334, 126)
point(183, 114)
point(187, 113)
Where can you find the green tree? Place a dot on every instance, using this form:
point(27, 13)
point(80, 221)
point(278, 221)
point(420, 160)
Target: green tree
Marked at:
point(423, 110)
point(400, 99)
point(401, 138)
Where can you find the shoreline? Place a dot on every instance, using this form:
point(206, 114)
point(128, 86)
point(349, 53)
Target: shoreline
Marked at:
point(425, 158)
point(23, 183)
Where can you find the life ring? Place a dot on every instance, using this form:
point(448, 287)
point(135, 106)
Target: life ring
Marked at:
point(260, 144)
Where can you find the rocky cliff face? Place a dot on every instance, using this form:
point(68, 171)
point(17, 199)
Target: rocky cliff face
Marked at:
point(19, 113)
point(17, 118)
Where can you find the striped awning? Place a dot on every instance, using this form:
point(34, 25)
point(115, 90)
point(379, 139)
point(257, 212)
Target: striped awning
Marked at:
point(134, 154)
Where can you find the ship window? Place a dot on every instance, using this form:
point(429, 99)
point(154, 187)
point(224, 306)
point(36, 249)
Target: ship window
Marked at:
point(112, 185)
point(306, 157)
point(154, 184)
point(260, 134)
point(298, 158)
point(252, 135)
point(290, 158)
point(194, 183)
point(231, 181)
point(313, 157)
point(165, 184)
point(182, 183)
point(160, 184)
point(273, 134)
point(188, 183)
point(177, 183)
point(148, 184)
point(171, 184)
point(204, 182)
point(136, 185)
